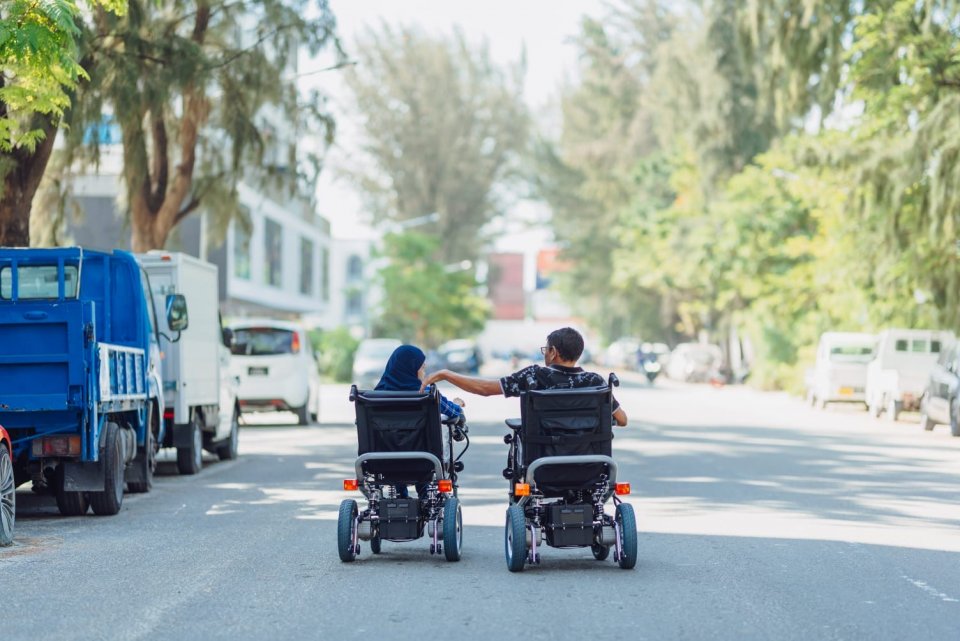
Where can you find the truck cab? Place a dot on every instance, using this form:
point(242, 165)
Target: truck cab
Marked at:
point(840, 372)
point(899, 372)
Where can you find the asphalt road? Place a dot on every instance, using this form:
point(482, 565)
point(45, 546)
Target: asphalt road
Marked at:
point(759, 518)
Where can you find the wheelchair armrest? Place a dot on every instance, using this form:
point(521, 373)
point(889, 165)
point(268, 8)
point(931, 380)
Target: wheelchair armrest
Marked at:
point(513, 423)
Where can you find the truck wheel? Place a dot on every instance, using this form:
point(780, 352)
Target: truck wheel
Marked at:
point(926, 423)
point(71, 503)
point(109, 501)
point(146, 460)
point(303, 415)
point(893, 409)
point(190, 458)
point(228, 451)
point(955, 418)
point(8, 498)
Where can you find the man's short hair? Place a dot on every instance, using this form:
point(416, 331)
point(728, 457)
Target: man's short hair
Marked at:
point(568, 343)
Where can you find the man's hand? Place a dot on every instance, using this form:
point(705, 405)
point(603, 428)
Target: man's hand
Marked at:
point(440, 375)
point(459, 401)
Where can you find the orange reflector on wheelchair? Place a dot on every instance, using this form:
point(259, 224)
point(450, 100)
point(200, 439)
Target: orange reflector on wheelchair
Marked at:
point(445, 486)
point(351, 484)
point(521, 489)
point(622, 488)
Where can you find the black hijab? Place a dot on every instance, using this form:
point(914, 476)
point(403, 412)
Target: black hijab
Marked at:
point(400, 374)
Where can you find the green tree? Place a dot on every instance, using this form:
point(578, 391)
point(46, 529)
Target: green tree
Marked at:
point(39, 71)
point(425, 301)
point(188, 82)
point(443, 127)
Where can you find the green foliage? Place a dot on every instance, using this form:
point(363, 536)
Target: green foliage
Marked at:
point(443, 128)
point(424, 301)
point(39, 65)
point(336, 351)
point(749, 212)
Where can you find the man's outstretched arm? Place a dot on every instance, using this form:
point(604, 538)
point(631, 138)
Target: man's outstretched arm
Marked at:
point(472, 384)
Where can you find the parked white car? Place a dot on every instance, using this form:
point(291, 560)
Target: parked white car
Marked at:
point(370, 359)
point(276, 367)
point(840, 372)
point(694, 362)
point(622, 353)
point(899, 372)
point(200, 394)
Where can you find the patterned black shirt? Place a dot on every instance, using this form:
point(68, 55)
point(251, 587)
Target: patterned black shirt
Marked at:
point(551, 377)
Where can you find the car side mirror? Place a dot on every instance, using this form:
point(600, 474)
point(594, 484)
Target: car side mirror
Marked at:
point(227, 337)
point(177, 318)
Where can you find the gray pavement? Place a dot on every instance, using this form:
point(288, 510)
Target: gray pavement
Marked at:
point(759, 518)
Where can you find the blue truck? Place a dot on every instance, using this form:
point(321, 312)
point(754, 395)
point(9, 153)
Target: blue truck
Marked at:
point(80, 389)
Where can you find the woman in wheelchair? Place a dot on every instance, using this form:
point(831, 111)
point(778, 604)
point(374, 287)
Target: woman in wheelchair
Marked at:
point(405, 437)
point(404, 372)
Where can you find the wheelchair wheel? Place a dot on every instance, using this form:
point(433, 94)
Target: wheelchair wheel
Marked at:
point(375, 541)
point(600, 552)
point(515, 538)
point(452, 529)
point(627, 558)
point(345, 523)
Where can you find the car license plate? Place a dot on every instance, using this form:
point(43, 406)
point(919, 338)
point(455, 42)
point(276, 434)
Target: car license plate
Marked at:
point(257, 371)
point(846, 391)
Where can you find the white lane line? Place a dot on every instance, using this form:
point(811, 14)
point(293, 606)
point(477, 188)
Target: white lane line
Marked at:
point(929, 589)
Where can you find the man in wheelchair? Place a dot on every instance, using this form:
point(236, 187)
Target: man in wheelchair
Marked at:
point(404, 440)
point(559, 465)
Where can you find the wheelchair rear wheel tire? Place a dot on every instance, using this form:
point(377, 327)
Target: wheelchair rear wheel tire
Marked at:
point(346, 521)
point(515, 539)
point(452, 529)
point(627, 520)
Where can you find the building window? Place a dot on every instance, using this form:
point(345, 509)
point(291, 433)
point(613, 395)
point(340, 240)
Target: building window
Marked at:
point(354, 268)
point(306, 266)
point(354, 303)
point(325, 274)
point(241, 250)
point(273, 253)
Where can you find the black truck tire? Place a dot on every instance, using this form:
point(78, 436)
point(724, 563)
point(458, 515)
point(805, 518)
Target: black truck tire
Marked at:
point(228, 450)
point(146, 460)
point(109, 501)
point(190, 458)
point(303, 415)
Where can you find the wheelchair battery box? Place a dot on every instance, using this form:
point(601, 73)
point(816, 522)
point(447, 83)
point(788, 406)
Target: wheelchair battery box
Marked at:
point(569, 525)
point(399, 518)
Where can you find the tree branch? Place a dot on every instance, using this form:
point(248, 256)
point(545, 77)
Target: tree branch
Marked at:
point(161, 161)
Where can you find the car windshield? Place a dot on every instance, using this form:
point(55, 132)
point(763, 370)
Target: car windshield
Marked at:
point(377, 349)
point(851, 353)
point(263, 341)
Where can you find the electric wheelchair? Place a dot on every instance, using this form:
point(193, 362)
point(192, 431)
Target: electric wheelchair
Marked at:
point(561, 474)
point(401, 442)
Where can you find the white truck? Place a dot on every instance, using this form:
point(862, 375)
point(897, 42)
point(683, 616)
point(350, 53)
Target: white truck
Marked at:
point(202, 412)
point(900, 369)
point(840, 372)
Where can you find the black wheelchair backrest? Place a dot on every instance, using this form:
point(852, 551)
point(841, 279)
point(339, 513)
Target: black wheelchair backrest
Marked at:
point(566, 422)
point(399, 422)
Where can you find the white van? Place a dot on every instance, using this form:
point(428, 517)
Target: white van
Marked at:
point(840, 373)
point(200, 394)
point(276, 367)
point(899, 372)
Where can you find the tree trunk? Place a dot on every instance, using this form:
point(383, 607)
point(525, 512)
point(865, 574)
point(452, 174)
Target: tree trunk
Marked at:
point(21, 172)
point(14, 213)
